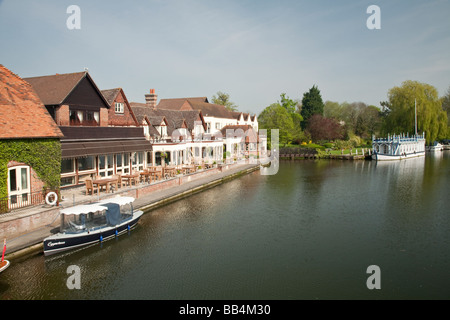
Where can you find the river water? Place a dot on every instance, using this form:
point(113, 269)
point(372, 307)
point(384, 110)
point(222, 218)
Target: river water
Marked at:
point(308, 232)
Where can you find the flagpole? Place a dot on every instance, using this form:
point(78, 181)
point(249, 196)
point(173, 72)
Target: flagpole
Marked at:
point(415, 116)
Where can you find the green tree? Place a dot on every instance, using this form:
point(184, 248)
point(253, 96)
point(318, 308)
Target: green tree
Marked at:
point(224, 100)
point(292, 107)
point(431, 118)
point(446, 105)
point(276, 116)
point(311, 104)
point(333, 110)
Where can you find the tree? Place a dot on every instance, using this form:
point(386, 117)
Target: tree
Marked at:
point(276, 116)
point(322, 128)
point(311, 104)
point(431, 118)
point(446, 105)
point(224, 100)
point(292, 107)
point(372, 119)
point(333, 110)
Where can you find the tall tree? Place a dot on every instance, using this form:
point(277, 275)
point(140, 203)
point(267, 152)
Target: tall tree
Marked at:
point(276, 116)
point(311, 104)
point(224, 100)
point(292, 107)
point(446, 105)
point(431, 118)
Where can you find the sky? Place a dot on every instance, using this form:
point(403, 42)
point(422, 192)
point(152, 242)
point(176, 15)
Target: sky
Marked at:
point(254, 50)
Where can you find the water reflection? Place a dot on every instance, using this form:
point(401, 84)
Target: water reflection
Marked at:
point(308, 232)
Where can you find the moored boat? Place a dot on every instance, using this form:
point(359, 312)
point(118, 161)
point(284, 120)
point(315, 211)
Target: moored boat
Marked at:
point(398, 147)
point(93, 223)
point(435, 147)
point(4, 263)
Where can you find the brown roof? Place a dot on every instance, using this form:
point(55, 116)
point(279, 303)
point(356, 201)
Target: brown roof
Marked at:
point(247, 131)
point(110, 95)
point(53, 89)
point(175, 119)
point(177, 103)
point(212, 110)
point(22, 113)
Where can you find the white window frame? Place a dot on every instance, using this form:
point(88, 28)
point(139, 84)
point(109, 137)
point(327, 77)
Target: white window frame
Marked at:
point(119, 107)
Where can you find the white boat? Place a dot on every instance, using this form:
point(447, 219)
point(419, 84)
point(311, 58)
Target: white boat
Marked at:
point(398, 147)
point(435, 147)
point(93, 223)
point(3, 265)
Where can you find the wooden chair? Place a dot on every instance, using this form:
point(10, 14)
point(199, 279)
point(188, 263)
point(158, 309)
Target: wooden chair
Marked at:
point(90, 186)
point(120, 182)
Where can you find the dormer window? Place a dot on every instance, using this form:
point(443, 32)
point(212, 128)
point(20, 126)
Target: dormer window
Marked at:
point(118, 106)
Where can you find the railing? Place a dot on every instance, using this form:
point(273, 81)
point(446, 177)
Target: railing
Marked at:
point(22, 200)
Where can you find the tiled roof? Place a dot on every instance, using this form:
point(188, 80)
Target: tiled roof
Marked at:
point(212, 110)
point(110, 95)
point(22, 113)
point(176, 104)
point(175, 119)
point(247, 130)
point(53, 89)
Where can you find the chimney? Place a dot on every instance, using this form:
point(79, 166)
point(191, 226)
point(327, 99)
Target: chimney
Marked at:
point(150, 99)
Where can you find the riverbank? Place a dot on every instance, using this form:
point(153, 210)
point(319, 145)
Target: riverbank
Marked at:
point(148, 197)
point(325, 156)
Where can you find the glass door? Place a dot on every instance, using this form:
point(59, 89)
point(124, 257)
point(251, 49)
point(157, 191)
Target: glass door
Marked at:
point(106, 165)
point(19, 186)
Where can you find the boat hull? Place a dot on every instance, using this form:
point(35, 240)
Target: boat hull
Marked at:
point(63, 242)
point(385, 157)
point(4, 265)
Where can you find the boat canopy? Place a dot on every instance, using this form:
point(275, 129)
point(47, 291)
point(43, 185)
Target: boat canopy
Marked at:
point(118, 200)
point(83, 209)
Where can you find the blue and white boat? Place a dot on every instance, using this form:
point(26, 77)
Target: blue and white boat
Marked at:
point(93, 223)
point(398, 147)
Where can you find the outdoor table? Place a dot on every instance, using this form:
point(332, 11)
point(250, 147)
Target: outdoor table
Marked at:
point(131, 177)
point(105, 182)
point(146, 175)
point(169, 171)
point(155, 173)
point(187, 169)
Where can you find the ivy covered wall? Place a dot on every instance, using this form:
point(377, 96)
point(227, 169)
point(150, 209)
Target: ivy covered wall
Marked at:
point(43, 155)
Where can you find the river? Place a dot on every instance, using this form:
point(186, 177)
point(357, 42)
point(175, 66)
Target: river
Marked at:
point(308, 232)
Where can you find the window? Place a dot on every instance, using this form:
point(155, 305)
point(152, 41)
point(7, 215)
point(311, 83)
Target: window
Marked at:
point(137, 161)
point(87, 163)
point(18, 186)
point(67, 166)
point(208, 127)
point(118, 106)
point(122, 163)
point(218, 127)
point(68, 181)
point(106, 165)
point(84, 118)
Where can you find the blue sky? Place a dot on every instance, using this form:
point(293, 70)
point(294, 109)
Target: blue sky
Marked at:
point(253, 50)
